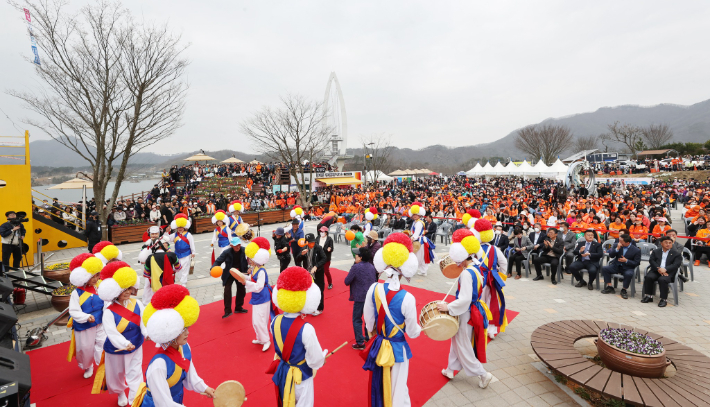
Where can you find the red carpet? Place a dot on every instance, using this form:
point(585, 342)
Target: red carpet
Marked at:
point(223, 350)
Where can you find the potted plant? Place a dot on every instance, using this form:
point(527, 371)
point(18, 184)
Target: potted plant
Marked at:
point(57, 271)
point(60, 301)
point(630, 352)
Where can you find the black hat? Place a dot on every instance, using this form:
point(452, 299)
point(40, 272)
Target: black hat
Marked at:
point(310, 238)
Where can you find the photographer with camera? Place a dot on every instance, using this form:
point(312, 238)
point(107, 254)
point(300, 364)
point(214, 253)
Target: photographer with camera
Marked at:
point(12, 233)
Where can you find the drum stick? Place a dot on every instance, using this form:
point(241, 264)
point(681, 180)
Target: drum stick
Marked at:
point(447, 294)
point(336, 349)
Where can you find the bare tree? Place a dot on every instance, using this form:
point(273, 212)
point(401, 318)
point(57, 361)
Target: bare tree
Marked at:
point(544, 141)
point(657, 135)
point(294, 134)
point(112, 86)
point(625, 134)
point(379, 148)
point(585, 143)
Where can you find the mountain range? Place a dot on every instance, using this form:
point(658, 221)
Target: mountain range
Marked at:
point(688, 123)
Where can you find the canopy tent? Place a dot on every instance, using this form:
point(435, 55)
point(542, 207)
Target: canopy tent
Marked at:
point(380, 176)
point(525, 168)
point(77, 183)
point(476, 170)
point(254, 162)
point(487, 169)
point(396, 173)
point(558, 167)
point(232, 160)
point(498, 169)
point(512, 169)
point(540, 168)
point(201, 156)
point(433, 173)
point(340, 181)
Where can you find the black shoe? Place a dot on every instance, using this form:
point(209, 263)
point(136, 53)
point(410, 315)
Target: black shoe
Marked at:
point(662, 303)
point(624, 295)
point(226, 314)
point(358, 346)
point(567, 271)
point(590, 286)
point(683, 278)
point(330, 286)
point(240, 311)
point(538, 278)
point(646, 299)
point(554, 282)
point(581, 284)
point(608, 290)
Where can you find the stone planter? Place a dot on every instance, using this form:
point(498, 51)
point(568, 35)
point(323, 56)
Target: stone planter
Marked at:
point(60, 303)
point(632, 364)
point(61, 275)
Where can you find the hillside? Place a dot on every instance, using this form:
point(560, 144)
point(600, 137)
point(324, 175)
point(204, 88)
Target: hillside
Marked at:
point(689, 124)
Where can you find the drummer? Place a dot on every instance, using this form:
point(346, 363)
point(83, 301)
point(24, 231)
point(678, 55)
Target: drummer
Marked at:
point(492, 260)
point(468, 346)
point(171, 370)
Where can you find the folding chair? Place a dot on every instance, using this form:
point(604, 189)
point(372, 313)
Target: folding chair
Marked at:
point(673, 286)
point(688, 264)
point(525, 263)
point(444, 231)
point(599, 270)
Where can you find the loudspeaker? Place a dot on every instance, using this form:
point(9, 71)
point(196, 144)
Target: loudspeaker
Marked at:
point(15, 367)
point(8, 318)
point(6, 288)
point(10, 395)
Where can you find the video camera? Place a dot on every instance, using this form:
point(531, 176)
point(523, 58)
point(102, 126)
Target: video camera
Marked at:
point(21, 217)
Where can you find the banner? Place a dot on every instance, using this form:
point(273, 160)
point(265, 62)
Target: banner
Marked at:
point(32, 37)
point(626, 181)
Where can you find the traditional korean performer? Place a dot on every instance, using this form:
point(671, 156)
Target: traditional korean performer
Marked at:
point(258, 252)
point(492, 260)
point(184, 245)
point(86, 310)
point(172, 370)
point(298, 351)
point(125, 331)
point(390, 312)
point(468, 346)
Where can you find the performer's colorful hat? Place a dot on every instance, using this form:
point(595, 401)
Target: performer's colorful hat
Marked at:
point(371, 213)
point(116, 277)
point(484, 229)
point(396, 253)
point(170, 311)
point(83, 267)
point(236, 206)
point(106, 251)
point(297, 212)
point(295, 291)
point(417, 208)
point(220, 215)
point(180, 221)
point(463, 245)
point(258, 250)
point(470, 217)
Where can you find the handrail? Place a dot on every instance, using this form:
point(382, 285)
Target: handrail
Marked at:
point(63, 220)
point(52, 205)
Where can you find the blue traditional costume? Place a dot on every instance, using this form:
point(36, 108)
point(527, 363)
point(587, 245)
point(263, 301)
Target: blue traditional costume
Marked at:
point(425, 254)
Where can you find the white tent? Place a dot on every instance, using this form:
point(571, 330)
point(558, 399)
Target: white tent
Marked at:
point(498, 169)
point(475, 171)
point(559, 169)
point(525, 168)
point(512, 169)
point(487, 169)
point(540, 168)
point(380, 176)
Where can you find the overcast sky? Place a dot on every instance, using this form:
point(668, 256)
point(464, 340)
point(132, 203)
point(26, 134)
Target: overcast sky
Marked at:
point(446, 72)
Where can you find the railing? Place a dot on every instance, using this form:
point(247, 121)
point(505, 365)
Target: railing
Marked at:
point(60, 209)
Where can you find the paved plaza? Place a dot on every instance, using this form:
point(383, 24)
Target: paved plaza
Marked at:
point(519, 379)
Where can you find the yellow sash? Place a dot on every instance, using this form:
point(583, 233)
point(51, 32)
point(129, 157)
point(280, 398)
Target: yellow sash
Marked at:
point(294, 375)
point(100, 378)
point(72, 345)
point(385, 357)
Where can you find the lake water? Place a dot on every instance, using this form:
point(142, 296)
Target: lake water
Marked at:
point(74, 195)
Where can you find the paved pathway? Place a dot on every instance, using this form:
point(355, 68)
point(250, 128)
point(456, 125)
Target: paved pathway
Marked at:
point(517, 380)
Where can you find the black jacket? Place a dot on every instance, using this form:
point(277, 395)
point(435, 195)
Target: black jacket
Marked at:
point(315, 259)
point(328, 244)
point(232, 259)
point(557, 248)
point(280, 243)
point(431, 231)
point(596, 251)
point(633, 257)
point(673, 261)
point(539, 240)
point(503, 241)
point(93, 230)
point(400, 224)
point(6, 231)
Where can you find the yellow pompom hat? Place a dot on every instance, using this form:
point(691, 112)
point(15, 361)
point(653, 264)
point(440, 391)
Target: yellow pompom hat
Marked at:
point(484, 229)
point(396, 252)
point(470, 217)
point(417, 208)
point(116, 277)
point(371, 213)
point(107, 251)
point(296, 212)
point(181, 221)
point(295, 291)
point(236, 206)
point(463, 245)
point(83, 267)
point(220, 215)
point(258, 250)
point(171, 310)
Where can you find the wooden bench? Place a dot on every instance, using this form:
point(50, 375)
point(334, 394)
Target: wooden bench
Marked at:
point(553, 343)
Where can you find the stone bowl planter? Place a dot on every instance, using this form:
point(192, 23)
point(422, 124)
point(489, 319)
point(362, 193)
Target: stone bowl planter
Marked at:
point(58, 274)
point(630, 363)
point(60, 302)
